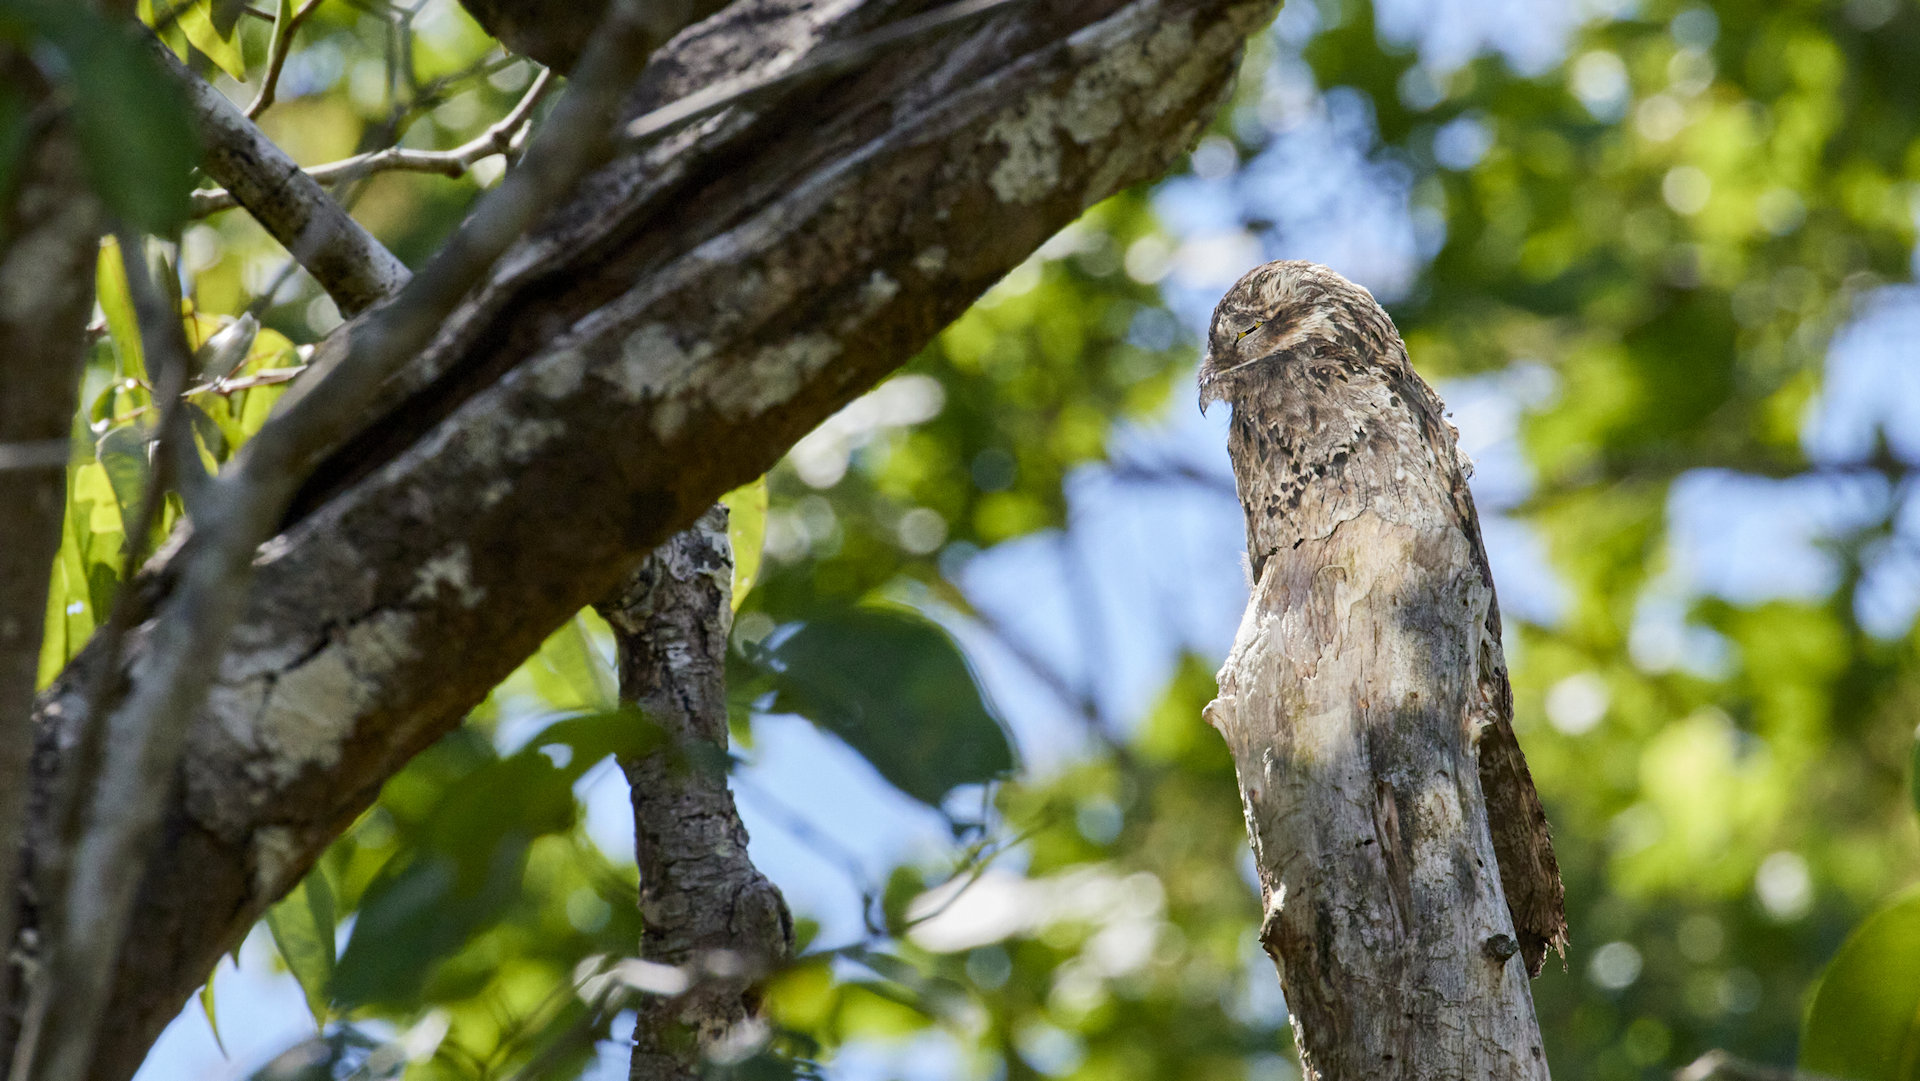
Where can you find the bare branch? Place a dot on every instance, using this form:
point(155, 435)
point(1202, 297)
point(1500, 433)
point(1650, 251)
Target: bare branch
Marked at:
point(355, 269)
point(708, 910)
point(1721, 1066)
point(145, 737)
point(498, 139)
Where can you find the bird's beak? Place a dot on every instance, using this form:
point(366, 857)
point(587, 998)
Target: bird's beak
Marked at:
point(1209, 393)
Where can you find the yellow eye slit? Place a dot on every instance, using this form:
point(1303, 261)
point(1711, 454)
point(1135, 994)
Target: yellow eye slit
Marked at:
point(1251, 329)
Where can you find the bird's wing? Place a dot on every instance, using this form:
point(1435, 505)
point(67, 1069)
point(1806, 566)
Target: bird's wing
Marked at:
point(1522, 842)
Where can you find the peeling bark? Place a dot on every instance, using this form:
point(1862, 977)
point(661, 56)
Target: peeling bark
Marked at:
point(699, 306)
point(708, 911)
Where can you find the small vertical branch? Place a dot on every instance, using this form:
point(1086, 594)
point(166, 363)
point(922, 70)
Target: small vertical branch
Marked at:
point(707, 909)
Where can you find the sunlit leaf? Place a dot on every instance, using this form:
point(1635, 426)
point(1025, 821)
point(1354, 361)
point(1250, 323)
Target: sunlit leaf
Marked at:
point(896, 688)
point(747, 532)
point(122, 453)
point(213, 1020)
point(123, 327)
point(303, 925)
point(223, 47)
point(1864, 1020)
point(569, 671)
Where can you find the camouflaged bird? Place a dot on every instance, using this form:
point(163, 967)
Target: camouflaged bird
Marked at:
point(1330, 421)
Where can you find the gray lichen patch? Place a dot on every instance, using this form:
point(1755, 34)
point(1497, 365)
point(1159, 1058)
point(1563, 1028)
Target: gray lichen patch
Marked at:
point(1166, 68)
point(311, 709)
point(773, 375)
point(448, 571)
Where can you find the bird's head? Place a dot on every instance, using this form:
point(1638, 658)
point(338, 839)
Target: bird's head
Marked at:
point(1278, 312)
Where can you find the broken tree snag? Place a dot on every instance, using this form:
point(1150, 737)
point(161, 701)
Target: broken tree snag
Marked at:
point(707, 910)
point(1409, 882)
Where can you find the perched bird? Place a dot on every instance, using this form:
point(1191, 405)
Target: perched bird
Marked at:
point(1331, 423)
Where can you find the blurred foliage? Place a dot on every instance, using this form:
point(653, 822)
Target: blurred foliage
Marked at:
point(1646, 234)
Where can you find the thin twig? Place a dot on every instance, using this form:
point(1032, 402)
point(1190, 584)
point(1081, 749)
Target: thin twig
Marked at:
point(498, 139)
point(277, 51)
point(1721, 1066)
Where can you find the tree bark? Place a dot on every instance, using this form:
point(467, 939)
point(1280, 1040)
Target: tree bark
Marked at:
point(47, 254)
point(705, 301)
point(1345, 702)
point(708, 911)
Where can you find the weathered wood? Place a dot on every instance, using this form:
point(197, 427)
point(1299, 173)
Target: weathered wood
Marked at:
point(1366, 669)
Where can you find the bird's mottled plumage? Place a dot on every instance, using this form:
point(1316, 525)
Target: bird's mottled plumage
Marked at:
point(1330, 420)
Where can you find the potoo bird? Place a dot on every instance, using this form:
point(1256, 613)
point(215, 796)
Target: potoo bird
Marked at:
point(1366, 700)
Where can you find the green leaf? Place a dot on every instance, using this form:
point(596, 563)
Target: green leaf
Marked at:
point(302, 925)
point(747, 532)
point(625, 733)
point(1864, 1021)
point(461, 877)
point(135, 132)
point(213, 1021)
point(570, 673)
point(122, 454)
point(123, 327)
point(896, 688)
point(99, 537)
point(223, 47)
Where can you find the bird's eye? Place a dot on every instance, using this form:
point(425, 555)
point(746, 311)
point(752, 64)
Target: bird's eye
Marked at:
point(1251, 329)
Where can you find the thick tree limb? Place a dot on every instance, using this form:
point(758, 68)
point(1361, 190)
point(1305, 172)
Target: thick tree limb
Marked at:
point(666, 336)
point(48, 244)
point(355, 269)
point(709, 912)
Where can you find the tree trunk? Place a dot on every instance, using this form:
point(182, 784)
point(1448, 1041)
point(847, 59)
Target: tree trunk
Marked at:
point(1348, 702)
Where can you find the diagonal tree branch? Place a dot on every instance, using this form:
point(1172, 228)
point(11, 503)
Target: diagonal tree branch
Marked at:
point(669, 332)
point(355, 269)
point(709, 912)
